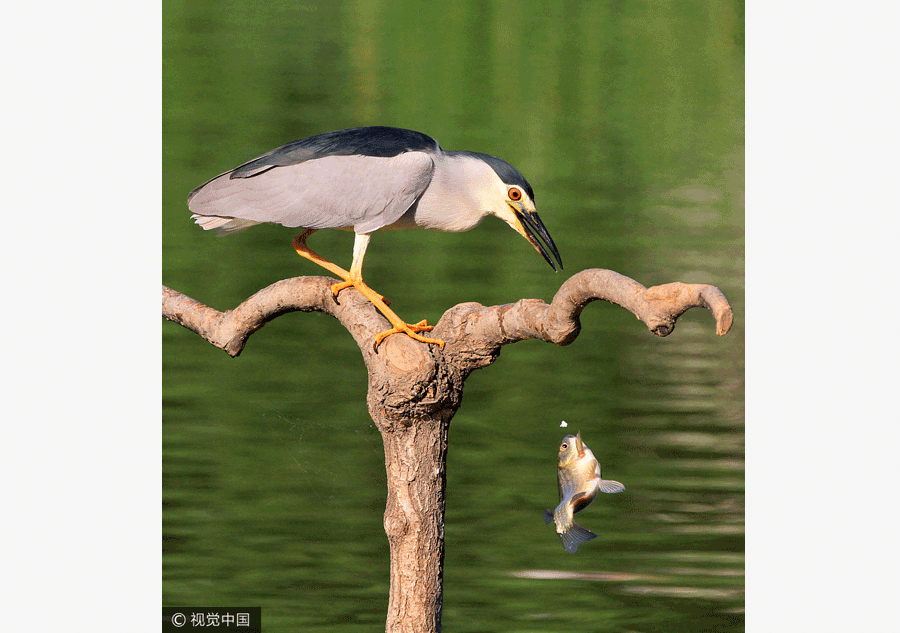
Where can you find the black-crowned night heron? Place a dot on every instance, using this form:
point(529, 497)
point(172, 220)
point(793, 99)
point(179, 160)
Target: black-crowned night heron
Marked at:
point(366, 179)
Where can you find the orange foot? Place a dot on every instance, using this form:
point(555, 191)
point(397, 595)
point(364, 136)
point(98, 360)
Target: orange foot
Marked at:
point(411, 331)
point(399, 325)
point(353, 277)
point(336, 288)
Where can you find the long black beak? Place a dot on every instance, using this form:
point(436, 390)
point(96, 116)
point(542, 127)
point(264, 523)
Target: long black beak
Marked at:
point(535, 228)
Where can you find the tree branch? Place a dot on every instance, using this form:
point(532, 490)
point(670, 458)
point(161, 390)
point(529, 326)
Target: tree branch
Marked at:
point(230, 330)
point(468, 328)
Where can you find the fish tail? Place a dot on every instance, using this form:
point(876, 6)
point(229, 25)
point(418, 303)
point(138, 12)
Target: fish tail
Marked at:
point(575, 536)
point(548, 516)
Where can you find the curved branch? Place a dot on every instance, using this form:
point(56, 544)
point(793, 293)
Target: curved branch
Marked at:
point(658, 307)
point(482, 331)
point(470, 329)
point(230, 330)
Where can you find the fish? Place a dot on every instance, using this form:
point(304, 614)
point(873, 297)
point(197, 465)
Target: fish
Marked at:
point(579, 481)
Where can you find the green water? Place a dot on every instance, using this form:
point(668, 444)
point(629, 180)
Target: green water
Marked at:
point(627, 119)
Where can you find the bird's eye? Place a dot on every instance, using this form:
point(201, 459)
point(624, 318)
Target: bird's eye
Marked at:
point(515, 193)
point(564, 445)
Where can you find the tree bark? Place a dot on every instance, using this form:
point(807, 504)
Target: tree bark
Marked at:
point(415, 459)
point(416, 389)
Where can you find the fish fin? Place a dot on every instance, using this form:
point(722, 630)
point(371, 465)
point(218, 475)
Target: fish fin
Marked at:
point(580, 502)
point(548, 516)
point(575, 536)
point(610, 486)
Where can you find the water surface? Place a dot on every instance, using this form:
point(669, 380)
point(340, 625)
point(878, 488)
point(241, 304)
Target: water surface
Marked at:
point(627, 119)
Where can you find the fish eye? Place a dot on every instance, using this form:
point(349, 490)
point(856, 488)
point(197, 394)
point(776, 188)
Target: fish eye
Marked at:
point(514, 193)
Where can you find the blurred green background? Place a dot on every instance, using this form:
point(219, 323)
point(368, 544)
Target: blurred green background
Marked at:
point(627, 118)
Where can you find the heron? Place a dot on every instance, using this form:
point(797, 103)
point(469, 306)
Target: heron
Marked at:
point(367, 179)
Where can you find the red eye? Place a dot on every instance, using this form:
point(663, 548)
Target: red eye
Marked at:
point(515, 193)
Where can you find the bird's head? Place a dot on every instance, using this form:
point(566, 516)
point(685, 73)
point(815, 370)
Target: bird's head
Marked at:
point(508, 196)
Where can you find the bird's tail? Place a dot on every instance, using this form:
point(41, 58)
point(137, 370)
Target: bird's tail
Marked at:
point(225, 226)
point(575, 536)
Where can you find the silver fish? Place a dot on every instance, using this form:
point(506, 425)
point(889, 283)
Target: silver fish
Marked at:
point(579, 481)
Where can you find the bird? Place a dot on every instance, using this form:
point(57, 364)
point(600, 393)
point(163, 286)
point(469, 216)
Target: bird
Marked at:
point(367, 179)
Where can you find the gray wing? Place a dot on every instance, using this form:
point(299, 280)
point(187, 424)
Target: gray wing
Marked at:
point(358, 141)
point(334, 191)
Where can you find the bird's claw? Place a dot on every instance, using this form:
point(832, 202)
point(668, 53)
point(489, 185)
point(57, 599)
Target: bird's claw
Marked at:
point(336, 288)
point(410, 329)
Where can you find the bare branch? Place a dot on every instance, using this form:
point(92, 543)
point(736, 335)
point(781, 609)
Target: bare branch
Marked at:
point(476, 332)
point(658, 307)
point(230, 330)
point(468, 328)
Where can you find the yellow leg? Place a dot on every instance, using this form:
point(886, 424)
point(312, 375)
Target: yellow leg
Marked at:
point(353, 277)
point(336, 288)
point(303, 250)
